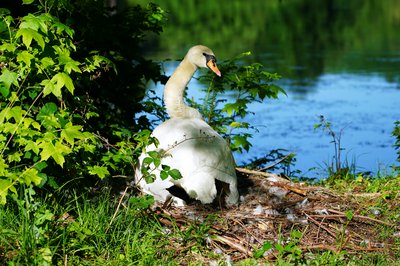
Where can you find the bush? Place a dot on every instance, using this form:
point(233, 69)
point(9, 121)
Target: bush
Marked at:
point(65, 92)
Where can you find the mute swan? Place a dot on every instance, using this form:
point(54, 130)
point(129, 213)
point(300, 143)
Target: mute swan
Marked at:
point(201, 155)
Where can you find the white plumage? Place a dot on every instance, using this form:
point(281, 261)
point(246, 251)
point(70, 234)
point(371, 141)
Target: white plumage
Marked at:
point(200, 154)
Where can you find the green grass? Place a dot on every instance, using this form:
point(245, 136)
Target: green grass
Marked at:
point(33, 232)
point(74, 229)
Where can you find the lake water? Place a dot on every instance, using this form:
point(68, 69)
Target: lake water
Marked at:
point(362, 106)
point(338, 59)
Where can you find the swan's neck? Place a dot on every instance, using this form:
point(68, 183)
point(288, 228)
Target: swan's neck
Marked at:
point(174, 90)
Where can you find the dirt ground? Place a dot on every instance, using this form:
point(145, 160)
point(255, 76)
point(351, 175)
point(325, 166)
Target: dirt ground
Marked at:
point(271, 208)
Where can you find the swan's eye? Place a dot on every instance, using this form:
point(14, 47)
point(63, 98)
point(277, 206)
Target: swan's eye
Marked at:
point(210, 59)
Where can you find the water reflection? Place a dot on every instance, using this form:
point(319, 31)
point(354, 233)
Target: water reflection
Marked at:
point(338, 58)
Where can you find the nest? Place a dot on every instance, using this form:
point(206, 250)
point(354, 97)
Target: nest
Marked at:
point(271, 209)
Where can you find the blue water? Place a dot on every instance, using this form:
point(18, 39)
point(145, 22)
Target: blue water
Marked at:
point(361, 105)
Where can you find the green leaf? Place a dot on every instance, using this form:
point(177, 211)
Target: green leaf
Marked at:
point(56, 151)
point(70, 132)
point(241, 141)
point(27, 2)
point(147, 161)
point(163, 175)
point(4, 91)
point(8, 77)
point(58, 81)
point(15, 157)
point(47, 116)
point(29, 34)
point(153, 154)
point(229, 108)
point(100, 171)
point(142, 202)
point(235, 124)
point(349, 215)
point(5, 186)
point(60, 27)
point(31, 175)
point(17, 113)
point(72, 65)
point(260, 252)
point(175, 174)
point(49, 87)
point(32, 146)
point(25, 57)
point(67, 81)
point(35, 23)
point(47, 61)
point(48, 109)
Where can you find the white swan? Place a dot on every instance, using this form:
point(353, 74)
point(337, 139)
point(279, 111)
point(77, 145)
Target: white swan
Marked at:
point(201, 155)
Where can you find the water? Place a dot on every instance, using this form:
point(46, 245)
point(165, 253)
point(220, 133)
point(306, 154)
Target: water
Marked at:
point(363, 108)
point(336, 58)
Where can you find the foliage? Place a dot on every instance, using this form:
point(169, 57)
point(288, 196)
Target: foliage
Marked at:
point(58, 121)
point(288, 252)
point(87, 230)
point(285, 37)
point(339, 167)
point(248, 84)
point(82, 231)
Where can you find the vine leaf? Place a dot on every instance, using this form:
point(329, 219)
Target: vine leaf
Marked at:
point(31, 175)
point(100, 171)
point(56, 151)
point(5, 186)
point(71, 132)
point(29, 34)
point(25, 57)
point(58, 81)
point(8, 77)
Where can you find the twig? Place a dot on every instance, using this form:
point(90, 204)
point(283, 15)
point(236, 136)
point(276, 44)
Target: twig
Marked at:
point(256, 172)
point(320, 225)
point(290, 188)
point(233, 244)
point(319, 247)
point(275, 163)
point(342, 214)
point(116, 211)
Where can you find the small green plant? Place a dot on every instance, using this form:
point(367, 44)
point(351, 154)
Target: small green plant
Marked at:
point(152, 162)
point(338, 168)
point(246, 84)
point(287, 254)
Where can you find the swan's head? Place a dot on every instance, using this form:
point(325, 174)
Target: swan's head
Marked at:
point(202, 56)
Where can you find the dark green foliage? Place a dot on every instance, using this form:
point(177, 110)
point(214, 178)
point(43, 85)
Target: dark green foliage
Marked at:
point(68, 90)
point(245, 84)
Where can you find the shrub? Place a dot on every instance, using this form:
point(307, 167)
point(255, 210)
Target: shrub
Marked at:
point(61, 115)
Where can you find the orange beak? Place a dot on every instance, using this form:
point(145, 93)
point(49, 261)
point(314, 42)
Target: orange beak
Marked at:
point(213, 66)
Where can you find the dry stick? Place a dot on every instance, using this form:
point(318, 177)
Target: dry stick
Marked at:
point(116, 211)
point(319, 247)
point(343, 215)
point(277, 162)
point(233, 244)
point(291, 188)
point(281, 184)
point(320, 225)
point(255, 172)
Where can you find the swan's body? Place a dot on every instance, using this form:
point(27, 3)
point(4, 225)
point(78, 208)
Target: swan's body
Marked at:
point(200, 154)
